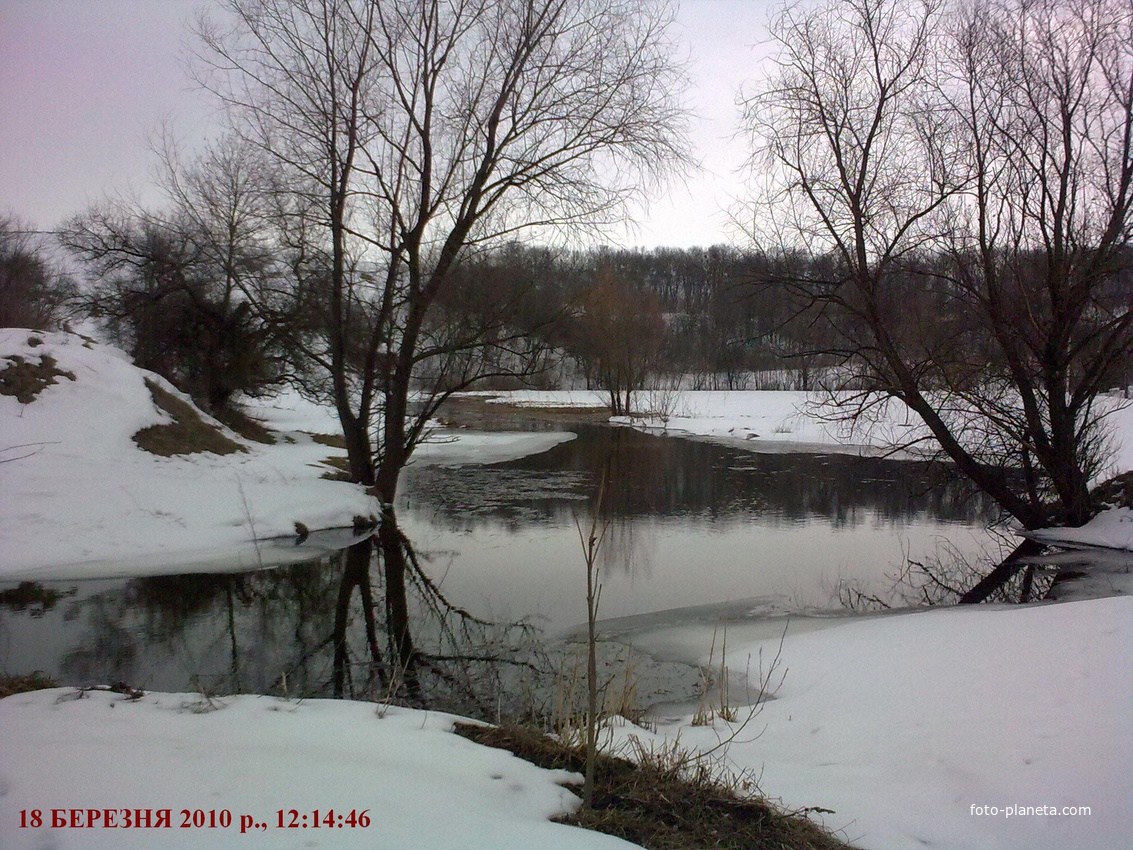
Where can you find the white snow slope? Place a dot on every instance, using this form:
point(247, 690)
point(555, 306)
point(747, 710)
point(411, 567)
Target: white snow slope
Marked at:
point(81, 499)
point(912, 726)
point(420, 785)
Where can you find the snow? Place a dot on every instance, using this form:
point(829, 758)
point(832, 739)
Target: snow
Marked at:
point(423, 786)
point(83, 500)
point(1110, 529)
point(289, 411)
point(756, 420)
point(903, 723)
point(769, 421)
point(453, 447)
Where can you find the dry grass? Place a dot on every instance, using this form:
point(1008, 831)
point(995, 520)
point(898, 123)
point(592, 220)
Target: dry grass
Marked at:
point(341, 471)
point(334, 441)
point(25, 682)
point(26, 380)
point(1117, 492)
point(187, 434)
point(659, 804)
point(247, 427)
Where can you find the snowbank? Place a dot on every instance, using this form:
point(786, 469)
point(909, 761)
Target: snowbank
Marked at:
point(420, 785)
point(81, 499)
point(912, 726)
point(1111, 529)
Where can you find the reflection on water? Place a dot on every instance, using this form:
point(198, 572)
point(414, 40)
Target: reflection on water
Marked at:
point(690, 524)
point(296, 631)
point(670, 477)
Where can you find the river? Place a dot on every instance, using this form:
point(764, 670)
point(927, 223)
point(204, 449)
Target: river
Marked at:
point(689, 528)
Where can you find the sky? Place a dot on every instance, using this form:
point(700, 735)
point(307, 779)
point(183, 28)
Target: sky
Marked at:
point(84, 85)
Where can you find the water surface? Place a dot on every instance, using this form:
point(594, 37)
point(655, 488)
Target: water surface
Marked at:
point(685, 524)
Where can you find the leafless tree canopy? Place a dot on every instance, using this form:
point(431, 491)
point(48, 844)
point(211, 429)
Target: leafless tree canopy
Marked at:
point(965, 173)
point(407, 133)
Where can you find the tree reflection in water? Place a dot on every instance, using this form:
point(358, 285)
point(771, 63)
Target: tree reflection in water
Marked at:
point(456, 661)
point(308, 630)
point(304, 631)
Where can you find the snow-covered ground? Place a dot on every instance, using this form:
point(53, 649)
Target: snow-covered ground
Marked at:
point(757, 420)
point(418, 785)
point(783, 420)
point(913, 726)
point(1111, 529)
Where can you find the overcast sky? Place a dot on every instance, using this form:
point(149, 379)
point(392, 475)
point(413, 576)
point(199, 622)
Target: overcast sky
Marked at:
point(83, 83)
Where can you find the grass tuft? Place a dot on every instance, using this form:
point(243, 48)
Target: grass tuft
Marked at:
point(661, 805)
point(341, 468)
point(187, 434)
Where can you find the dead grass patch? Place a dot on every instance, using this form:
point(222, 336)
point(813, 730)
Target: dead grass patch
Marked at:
point(187, 434)
point(24, 682)
point(25, 380)
point(341, 471)
point(334, 441)
point(657, 805)
point(247, 427)
point(1117, 492)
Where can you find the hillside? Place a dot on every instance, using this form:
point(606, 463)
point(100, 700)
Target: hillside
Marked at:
point(107, 470)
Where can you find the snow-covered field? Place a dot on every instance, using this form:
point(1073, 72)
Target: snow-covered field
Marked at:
point(418, 785)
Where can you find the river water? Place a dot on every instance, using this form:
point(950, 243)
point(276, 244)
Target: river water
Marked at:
point(688, 526)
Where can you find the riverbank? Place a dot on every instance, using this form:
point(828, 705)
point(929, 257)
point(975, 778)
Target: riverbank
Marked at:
point(106, 470)
point(967, 729)
point(770, 420)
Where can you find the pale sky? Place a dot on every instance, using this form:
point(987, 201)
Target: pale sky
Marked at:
point(84, 83)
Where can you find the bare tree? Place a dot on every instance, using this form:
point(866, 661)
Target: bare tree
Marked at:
point(34, 293)
point(412, 132)
point(967, 174)
point(616, 335)
point(182, 287)
point(1043, 259)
